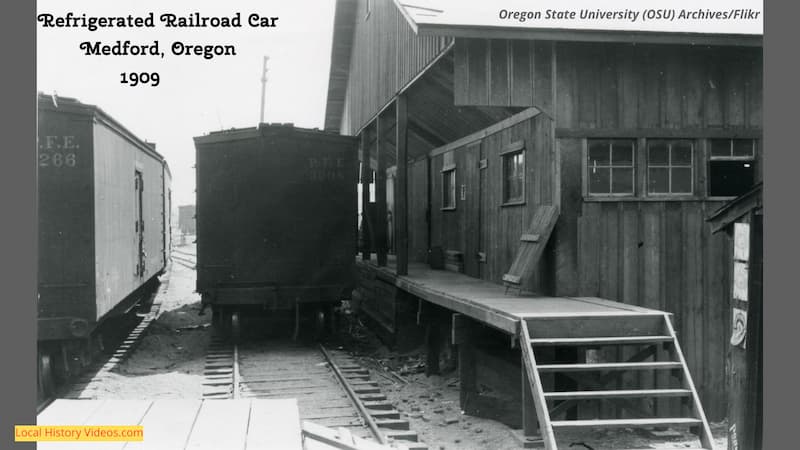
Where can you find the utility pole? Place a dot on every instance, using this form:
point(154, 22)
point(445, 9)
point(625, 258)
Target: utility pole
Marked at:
point(263, 86)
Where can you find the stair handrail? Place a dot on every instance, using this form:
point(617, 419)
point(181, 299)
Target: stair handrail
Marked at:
point(535, 384)
point(706, 438)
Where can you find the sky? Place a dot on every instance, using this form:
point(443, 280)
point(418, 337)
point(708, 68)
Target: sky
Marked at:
point(195, 95)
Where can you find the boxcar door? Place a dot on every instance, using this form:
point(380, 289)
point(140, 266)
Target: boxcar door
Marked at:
point(472, 213)
point(139, 223)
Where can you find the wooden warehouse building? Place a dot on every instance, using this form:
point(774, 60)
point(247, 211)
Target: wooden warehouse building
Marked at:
point(550, 163)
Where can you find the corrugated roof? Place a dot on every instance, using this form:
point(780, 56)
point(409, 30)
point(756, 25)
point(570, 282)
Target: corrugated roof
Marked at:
point(620, 20)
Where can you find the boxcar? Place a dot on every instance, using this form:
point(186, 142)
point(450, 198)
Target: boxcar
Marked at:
point(276, 222)
point(103, 205)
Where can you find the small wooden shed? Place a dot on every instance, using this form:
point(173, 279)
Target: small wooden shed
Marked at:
point(742, 220)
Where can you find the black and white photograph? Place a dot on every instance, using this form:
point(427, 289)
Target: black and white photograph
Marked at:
point(399, 224)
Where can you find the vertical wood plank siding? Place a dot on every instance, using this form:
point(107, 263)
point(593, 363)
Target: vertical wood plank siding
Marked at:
point(662, 255)
point(658, 254)
point(499, 72)
point(657, 86)
point(615, 85)
point(386, 55)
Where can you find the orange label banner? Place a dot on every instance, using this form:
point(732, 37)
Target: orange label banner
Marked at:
point(82, 433)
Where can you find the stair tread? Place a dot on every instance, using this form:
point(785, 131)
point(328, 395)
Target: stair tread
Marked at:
point(619, 393)
point(625, 422)
point(602, 340)
point(609, 366)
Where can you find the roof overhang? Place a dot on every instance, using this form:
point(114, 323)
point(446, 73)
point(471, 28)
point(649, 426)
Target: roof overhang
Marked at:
point(341, 47)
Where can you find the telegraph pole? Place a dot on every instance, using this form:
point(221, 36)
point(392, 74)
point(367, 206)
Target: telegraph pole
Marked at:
point(263, 86)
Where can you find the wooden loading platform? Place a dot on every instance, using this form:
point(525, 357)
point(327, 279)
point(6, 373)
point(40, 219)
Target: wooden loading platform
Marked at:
point(615, 344)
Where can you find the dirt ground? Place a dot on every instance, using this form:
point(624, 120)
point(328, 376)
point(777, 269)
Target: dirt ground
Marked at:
point(169, 364)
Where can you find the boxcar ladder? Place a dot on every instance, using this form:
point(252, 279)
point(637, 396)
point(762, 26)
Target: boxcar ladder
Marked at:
point(653, 337)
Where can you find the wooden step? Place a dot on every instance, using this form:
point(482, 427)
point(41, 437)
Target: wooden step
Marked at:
point(609, 366)
point(632, 393)
point(623, 423)
point(615, 340)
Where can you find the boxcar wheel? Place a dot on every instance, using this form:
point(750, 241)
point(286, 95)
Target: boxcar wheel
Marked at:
point(46, 381)
point(236, 328)
point(216, 320)
point(319, 323)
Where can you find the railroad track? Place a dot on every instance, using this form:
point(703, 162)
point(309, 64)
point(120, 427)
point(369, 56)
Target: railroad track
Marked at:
point(184, 258)
point(330, 388)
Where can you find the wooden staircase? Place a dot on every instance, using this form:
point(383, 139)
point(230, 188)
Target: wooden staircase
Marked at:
point(651, 341)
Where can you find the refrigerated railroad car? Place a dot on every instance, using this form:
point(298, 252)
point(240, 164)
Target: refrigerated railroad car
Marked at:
point(276, 222)
point(103, 206)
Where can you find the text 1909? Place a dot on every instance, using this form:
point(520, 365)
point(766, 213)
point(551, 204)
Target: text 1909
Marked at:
point(143, 78)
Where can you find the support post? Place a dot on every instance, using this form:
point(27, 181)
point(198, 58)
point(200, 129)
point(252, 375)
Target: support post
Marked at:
point(530, 423)
point(401, 187)
point(380, 192)
point(366, 176)
point(467, 369)
point(433, 348)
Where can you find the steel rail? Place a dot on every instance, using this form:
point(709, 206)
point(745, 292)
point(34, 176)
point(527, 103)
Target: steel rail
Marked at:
point(354, 398)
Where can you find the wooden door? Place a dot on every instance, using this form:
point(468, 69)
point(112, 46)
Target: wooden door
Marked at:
point(472, 209)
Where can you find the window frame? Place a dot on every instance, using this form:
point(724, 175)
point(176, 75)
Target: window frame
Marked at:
point(449, 192)
point(669, 166)
point(509, 151)
point(634, 168)
point(709, 158)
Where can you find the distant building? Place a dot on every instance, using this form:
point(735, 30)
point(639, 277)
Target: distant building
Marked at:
point(186, 219)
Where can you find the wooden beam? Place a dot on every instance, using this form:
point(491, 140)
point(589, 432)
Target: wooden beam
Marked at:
point(401, 186)
point(502, 125)
point(552, 34)
point(652, 133)
point(380, 232)
point(409, 84)
point(366, 177)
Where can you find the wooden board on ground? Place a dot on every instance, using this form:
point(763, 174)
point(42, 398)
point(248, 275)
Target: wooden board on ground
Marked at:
point(183, 424)
point(167, 425)
point(531, 247)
